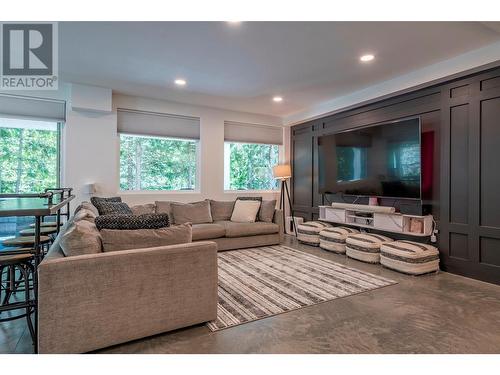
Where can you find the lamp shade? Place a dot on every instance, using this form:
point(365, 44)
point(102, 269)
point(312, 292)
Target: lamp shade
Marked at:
point(282, 171)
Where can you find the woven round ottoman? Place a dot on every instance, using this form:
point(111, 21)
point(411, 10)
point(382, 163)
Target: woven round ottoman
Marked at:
point(333, 239)
point(308, 232)
point(365, 246)
point(409, 257)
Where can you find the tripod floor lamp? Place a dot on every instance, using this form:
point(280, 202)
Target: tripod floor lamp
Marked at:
point(283, 173)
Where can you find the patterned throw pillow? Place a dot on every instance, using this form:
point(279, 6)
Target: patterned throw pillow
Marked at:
point(104, 208)
point(250, 199)
point(131, 222)
point(114, 208)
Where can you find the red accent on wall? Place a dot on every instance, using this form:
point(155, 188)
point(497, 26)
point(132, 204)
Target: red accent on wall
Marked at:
point(427, 156)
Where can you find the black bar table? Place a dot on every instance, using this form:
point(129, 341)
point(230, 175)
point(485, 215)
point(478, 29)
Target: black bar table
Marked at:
point(37, 205)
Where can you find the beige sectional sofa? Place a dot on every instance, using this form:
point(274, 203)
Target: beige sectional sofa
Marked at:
point(226, 234)
point(92, 301)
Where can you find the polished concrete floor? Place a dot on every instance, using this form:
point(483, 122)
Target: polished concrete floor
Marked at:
point(436, 313)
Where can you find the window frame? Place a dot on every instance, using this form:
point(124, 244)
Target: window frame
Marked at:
point(196, 189)
point(254, 191)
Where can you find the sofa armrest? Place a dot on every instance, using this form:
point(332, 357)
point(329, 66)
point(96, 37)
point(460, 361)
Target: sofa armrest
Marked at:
point(93, 301)
point(278, 219)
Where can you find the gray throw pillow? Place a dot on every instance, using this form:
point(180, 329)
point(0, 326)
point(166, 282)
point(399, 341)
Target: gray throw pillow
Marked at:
point(266, 212)
point(124, 222)
point(196, 213)
point(114, 240)
point(81, 237)
point(221, 210)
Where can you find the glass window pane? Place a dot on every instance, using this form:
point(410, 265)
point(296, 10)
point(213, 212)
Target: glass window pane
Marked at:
point(28, 155)
point(153, 163)
point(249, 166)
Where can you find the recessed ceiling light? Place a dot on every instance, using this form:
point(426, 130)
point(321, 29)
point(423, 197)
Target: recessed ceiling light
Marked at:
point(277, 99)
point(180, 82)
point(234, 22)
point(366, 58)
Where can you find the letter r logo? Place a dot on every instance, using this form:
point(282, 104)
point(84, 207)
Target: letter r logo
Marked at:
point(27, 49)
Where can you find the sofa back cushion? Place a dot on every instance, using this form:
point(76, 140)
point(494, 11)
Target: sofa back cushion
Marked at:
point(88, 206)
point(84, 214)
point(81, 237)
point(245, 211)
point(124, 222)
point(195, 213)
point(141, 209)
point(164, 207)
point(221, 210)
point(114, 240)
point(266, 211)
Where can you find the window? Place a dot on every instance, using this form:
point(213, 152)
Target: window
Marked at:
point(405, 160)
point(29, 155)
point(157, 163)
point(351, 163)
point(248, 166)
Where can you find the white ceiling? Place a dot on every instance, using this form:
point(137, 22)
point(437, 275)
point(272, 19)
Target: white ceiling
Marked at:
point(240, 67)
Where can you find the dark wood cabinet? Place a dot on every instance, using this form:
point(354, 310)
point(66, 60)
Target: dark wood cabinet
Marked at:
point(462, 118)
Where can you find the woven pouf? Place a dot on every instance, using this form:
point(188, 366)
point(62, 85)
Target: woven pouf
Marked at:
point(409, 257)
point(308, 232)
point(333, 239)
point(365, 246)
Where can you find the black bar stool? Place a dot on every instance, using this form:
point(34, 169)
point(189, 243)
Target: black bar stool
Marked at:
point(9, 265)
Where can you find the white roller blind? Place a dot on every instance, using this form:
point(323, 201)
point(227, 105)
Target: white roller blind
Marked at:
point(158, 124)
point(25, 107)
point(251, 133)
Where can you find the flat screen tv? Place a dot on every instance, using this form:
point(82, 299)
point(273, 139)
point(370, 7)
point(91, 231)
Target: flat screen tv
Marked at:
point(381, 161)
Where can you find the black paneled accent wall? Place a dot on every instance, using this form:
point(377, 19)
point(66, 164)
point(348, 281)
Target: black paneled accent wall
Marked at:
point(461, 120)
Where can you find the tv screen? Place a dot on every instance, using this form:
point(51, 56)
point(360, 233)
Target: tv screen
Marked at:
point(381, 160)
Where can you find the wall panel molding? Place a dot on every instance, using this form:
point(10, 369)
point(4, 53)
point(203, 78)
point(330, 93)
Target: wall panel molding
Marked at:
point(463, 112)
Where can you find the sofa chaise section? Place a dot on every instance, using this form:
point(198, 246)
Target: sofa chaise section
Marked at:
point(89, 302)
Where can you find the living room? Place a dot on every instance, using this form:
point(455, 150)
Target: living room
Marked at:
point(245, 187)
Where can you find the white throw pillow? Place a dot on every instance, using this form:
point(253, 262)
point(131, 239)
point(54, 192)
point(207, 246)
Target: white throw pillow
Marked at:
point(245, 211)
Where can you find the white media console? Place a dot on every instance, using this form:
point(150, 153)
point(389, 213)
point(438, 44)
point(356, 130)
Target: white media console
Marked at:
point(377, 217)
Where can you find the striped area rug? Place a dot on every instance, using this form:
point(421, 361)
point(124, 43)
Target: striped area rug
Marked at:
point(261, 282)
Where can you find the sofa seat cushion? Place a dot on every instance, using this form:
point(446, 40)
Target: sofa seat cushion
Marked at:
point(118, 239)
point(257, 228)
point(208, 231)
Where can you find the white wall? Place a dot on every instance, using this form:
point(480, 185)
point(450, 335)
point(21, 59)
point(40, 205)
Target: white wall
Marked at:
point(89, 152)
point(90, 149)
point(211, 147)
